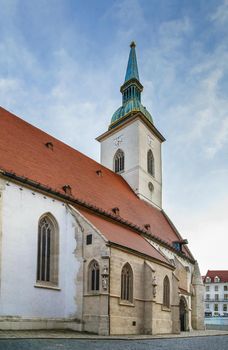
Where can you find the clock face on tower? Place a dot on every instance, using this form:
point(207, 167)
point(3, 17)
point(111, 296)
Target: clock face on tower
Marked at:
point(150, 141)
point(118, 140)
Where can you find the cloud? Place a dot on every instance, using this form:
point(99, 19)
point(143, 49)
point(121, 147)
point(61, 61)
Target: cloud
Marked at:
point(172, 33)
point(219, 140)
point(221, 14)
point(130, 17)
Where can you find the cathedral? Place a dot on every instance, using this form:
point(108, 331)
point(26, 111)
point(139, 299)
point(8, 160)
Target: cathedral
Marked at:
point(87, 246)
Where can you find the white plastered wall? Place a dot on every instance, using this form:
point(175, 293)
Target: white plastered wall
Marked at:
point(21, 210)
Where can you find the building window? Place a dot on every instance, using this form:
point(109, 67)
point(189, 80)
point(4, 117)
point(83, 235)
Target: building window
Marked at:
point(216, 307)
point(216, 297)
point(216, 279)
point(89, 239)
point(207, 306)
point(208, 280)
point(225, 288)
point(216, 288)
point(224, 307)
point(119, 161)
point(94, 276)
point(226, 296)
point(207, 288)
point(150, 162)
point(166, 292)
point(207, 296)
point(48, 250)
point(127, 283)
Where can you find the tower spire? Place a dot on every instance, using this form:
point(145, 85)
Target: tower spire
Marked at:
point(131, 93)
point(132, 67)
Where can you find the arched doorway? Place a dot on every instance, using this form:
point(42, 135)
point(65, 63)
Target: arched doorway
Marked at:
point(183, 314)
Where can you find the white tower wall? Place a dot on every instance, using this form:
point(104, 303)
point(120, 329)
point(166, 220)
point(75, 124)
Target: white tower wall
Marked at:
point(135, 139)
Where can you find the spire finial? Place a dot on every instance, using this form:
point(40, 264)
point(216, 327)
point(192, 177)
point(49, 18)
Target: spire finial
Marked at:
point(132, 67)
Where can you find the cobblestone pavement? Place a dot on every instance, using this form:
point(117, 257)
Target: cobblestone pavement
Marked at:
point(189, 343)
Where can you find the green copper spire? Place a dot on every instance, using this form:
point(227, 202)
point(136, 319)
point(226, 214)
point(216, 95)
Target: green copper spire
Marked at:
point(131, 92)
point(132, 67)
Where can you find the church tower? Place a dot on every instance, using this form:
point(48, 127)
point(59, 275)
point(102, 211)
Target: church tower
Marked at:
point(132, 145)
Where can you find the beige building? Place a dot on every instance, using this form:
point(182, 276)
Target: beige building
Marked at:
point(87, 246)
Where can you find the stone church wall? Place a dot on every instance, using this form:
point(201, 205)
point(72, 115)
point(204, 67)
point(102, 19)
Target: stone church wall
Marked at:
point(146, 314)
point(95, 303)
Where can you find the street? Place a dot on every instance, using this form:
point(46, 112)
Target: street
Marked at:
point(196, 343)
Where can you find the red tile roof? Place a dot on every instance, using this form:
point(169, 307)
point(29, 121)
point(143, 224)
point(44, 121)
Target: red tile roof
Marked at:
point(222, 274)
point(23, 151)
point(125, 237)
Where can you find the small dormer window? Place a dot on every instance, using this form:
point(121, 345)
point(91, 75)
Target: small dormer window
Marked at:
point(216, 279)
point(116, 211)
point(147, 227)
point(67, 189)
point(208, 280)
point(49, 145)
point(99, 172)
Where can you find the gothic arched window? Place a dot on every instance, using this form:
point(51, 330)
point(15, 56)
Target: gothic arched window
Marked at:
point(127, 283)
point(119, 161)
point(150, 162)
point(94, 276)
point(166, 292)
point(48, 250)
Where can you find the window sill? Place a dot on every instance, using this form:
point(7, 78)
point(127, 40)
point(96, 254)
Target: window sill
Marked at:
point(165, 308)
point(93, 292)
point(126, 303)
point(47, 286)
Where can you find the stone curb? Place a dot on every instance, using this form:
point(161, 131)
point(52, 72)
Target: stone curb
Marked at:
point(71, 335)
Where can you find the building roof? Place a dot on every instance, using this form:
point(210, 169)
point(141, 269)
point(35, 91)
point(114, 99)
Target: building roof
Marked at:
point(222, 274)
point(25, 151)
point(130, 106)
point(132, 67)
point(123, 236)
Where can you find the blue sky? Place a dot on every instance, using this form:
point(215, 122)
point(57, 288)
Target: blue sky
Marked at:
point(62, 63)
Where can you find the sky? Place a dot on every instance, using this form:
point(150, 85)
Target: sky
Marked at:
point(62, 63)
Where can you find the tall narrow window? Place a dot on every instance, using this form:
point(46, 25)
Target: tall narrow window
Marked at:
point(166, 292)
point(127, 283)
point(48, 250)
point(119, 161)
point(150, 162)
point(94, 276)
